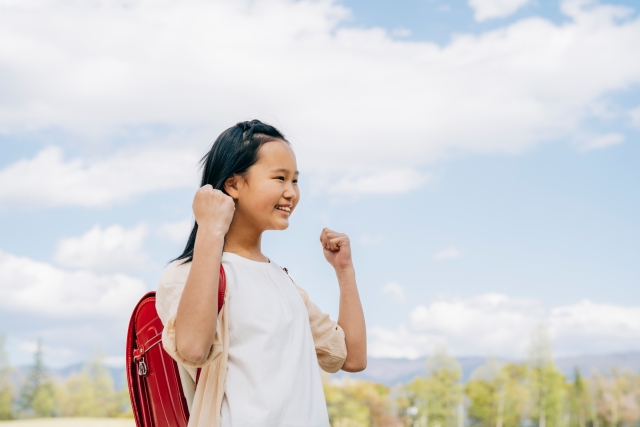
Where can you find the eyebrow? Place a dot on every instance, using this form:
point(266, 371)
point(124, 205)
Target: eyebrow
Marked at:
point(285, 170)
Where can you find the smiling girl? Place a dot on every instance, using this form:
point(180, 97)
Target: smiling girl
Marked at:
point(260, 355)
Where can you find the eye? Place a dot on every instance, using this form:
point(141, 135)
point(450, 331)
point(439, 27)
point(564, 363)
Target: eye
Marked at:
point(295, 181)
point(280, 177)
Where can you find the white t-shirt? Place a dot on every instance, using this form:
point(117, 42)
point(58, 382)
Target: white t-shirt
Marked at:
point(273, 378)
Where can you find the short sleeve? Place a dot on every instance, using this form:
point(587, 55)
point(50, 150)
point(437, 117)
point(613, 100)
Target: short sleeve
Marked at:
point(328, 337)
point(168, 296)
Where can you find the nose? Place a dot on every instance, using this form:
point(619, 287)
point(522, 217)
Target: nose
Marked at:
point(290, 192)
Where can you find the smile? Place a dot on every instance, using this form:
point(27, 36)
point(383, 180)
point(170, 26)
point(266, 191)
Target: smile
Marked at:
point(286, 209)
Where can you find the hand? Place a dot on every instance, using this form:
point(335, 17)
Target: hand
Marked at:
point(213, 209)
point(337, 248)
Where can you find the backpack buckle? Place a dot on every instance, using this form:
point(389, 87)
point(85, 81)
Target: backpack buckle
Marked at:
point(142, 368)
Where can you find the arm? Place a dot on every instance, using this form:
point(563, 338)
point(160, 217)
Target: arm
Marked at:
point(337, 251)
point(196, 319)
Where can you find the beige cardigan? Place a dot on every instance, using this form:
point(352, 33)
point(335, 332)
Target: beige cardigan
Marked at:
point(328, 338)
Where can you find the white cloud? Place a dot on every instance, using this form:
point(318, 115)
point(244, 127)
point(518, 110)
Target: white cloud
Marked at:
point(350, 98)
point(177, 232)
point(400, 342)
point(449, 253)
point(49, 180)
point(587, 324)
point(113, 249)
point(390, 182)
point(495, 324)
point(486, 9)
point(29, 286)
point(396, 291)
point(602, 141)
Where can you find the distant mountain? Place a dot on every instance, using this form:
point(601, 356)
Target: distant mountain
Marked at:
point(603, 363)
point(395, 371)
point(390, 371)
point(117, 374)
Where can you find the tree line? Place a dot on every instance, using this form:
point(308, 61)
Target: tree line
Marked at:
point(529, 394)
point(533, 393)
point(89, 393)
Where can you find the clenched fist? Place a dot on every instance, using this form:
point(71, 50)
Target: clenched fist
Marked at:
point(337, 248)
point(213, 209)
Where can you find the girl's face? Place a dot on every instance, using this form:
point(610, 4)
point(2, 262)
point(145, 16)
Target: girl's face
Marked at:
point(268, 193)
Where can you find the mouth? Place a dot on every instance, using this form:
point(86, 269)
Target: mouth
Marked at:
point(285, 209)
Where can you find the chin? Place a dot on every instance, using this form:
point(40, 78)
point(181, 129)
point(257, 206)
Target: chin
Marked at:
point(281, 226)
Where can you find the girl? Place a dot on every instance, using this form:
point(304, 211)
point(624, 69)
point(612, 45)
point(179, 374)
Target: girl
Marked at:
point(260, 355)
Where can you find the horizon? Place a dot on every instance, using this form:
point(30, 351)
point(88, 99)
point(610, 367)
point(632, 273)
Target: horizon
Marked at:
point(111, 365)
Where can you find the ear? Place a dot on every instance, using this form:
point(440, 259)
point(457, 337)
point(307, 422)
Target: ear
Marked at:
point(231, 186)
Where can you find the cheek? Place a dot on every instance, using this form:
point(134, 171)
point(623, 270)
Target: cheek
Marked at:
point(295, 202)
point(265, 197)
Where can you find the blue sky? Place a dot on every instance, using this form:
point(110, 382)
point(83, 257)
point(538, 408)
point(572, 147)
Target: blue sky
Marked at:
point(481, 155)
point(438, 21)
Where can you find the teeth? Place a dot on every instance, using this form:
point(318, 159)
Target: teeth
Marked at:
point(284, 208)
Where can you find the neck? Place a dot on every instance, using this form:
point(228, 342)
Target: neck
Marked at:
point(244, 240)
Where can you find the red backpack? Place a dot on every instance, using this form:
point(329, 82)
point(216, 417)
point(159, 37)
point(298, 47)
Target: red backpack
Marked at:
point(155, 388)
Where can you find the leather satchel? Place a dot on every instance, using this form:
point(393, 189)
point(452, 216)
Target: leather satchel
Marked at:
point(155, 388)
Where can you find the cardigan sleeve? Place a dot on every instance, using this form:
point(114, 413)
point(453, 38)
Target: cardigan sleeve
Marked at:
point(168, 296)
point(328, 336)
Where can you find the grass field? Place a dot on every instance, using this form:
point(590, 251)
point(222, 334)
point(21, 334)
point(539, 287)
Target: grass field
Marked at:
point(70, 422)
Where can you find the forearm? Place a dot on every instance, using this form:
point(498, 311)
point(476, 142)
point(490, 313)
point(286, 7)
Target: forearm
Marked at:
point(351, 320)
point(196, 319)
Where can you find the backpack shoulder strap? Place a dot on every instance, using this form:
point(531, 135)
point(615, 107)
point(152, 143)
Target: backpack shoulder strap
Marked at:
point(222, 287)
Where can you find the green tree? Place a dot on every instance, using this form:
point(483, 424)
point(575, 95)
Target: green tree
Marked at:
point(91, 393)
point(38, 392)
point(497, 395)
point(484, 390)
point(514, 395)
point(414, 402)
point(6, 389)
point(627, 384)
point(484, 402)
point(438, 396)
point(353, 403)
point(579, 401)
point(546, 383)
point(595, 394)
point(343, 409)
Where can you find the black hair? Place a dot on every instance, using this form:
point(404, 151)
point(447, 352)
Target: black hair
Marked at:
point(232, 153)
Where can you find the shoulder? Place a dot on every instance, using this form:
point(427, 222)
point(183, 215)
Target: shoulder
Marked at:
point(303, 293)
point(173, 279)
point(170, 287)
point(175, 273)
